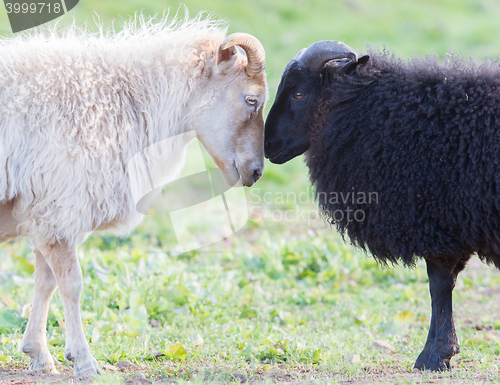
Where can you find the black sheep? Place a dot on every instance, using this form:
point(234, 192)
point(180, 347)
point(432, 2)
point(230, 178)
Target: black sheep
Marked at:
point(424, 137)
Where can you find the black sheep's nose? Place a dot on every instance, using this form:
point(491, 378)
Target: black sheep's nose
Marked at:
point(272, 149)
point(268, 146)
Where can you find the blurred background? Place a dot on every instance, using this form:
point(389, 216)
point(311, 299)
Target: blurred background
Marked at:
point(290, 279)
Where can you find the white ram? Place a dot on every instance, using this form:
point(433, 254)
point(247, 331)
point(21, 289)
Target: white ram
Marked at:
point(75, 107)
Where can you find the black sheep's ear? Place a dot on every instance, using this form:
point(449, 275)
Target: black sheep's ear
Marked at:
point(363, 59)
point(333, 68)
point(345, 66)
point(353, 65)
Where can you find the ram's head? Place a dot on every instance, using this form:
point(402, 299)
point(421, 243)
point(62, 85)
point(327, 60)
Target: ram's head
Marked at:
point(231, 123)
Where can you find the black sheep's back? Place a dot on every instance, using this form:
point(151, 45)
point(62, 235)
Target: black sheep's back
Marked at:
point(422, 139)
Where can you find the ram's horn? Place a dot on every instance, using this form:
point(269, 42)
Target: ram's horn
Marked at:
point(256, 55)
point(318, 54)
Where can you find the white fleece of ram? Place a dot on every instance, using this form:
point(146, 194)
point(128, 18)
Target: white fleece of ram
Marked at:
point(76, 106)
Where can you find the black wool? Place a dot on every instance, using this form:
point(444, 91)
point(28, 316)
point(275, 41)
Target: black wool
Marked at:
point(423, 138)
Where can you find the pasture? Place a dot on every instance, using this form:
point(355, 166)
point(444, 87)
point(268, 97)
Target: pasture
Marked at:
point(283, 300)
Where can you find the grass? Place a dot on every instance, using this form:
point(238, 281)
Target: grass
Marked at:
point(269, 302)
point(283, 300)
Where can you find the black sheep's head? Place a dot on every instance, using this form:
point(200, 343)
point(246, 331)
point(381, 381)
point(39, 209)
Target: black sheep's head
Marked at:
point(286, 129)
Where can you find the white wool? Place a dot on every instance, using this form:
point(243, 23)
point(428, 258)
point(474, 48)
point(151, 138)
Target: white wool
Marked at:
point(76, 106)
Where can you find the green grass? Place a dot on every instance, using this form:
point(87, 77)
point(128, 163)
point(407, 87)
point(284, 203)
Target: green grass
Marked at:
point(281, 300)
point(266, 299)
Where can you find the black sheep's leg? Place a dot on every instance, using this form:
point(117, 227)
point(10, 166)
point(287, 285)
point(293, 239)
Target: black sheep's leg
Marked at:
point(442, 342)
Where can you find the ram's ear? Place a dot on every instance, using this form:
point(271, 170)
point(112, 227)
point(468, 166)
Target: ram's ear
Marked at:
point(353, 65)
point(226, 58)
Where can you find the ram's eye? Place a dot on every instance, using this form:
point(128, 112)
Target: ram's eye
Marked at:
point(299, 95)
point(251, 100)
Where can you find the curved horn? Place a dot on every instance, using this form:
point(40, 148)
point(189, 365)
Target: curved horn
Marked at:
point(317, 54)
point(256, 55)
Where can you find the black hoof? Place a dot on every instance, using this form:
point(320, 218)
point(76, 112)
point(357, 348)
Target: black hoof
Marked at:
point(433, 361)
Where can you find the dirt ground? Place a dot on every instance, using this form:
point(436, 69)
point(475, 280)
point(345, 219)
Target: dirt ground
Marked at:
point(19, 375)
point(377, 375)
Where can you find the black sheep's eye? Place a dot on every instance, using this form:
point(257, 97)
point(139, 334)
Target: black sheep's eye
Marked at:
point(299, 95)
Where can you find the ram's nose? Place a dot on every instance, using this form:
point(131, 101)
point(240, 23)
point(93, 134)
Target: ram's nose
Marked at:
point(257, 174)
point(253, 174)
